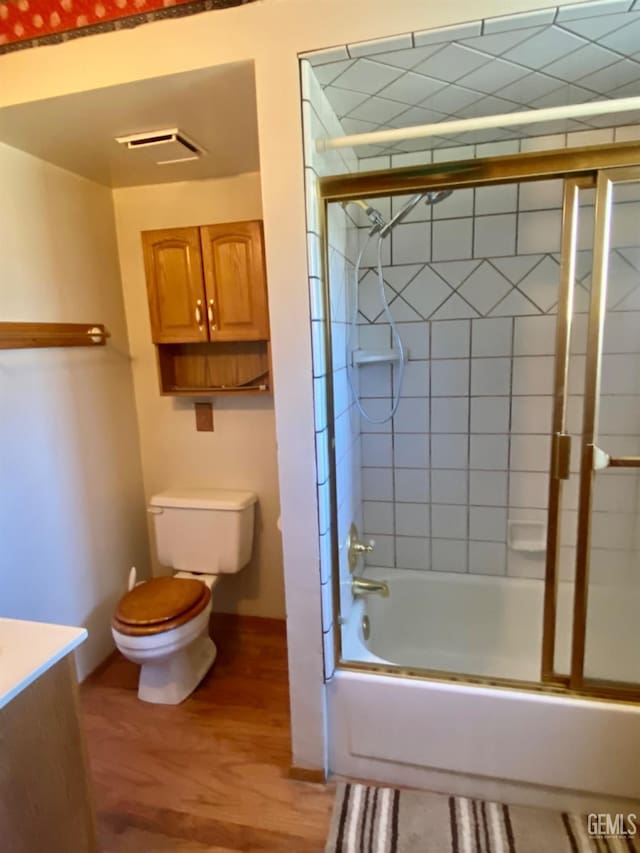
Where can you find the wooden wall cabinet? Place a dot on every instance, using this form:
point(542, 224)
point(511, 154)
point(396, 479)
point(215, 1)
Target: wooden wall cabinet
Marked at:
point(207, 295)
point(235, 283)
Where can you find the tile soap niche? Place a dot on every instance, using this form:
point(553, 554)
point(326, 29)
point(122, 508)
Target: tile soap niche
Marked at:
point(529, 536)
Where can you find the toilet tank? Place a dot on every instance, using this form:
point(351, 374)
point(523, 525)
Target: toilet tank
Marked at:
point(204, 530)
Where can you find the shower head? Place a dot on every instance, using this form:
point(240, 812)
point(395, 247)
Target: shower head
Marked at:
point(430, 197)
point(378, 224)
point(436, 196)
point(400, 215)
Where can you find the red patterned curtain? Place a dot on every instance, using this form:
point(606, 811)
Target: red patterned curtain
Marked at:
point(28, 23)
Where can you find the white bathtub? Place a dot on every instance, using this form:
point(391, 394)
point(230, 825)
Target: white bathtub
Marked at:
point(489, 626)
point(521, 746)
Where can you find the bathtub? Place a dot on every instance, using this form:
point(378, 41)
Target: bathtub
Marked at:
point(515, 745)
point(488, 626)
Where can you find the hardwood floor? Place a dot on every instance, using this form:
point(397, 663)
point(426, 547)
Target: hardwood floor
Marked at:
point(210, 774)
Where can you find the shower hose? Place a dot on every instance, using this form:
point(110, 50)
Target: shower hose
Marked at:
point(353, 326)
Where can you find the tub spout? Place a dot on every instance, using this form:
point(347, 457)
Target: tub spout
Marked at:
point(363, 586)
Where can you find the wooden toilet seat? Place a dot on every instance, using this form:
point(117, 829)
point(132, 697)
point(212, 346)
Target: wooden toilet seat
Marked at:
point(159, 605)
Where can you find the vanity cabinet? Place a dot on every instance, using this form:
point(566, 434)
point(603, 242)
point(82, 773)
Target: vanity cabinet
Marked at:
point(46, 802)
point(207, 294)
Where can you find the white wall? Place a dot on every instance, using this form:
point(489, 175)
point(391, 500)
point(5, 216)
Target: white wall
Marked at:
point(271, 32)
point(71, 504)
point(241, 452)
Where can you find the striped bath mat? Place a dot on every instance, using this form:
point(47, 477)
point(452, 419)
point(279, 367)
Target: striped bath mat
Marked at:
point(386, 820)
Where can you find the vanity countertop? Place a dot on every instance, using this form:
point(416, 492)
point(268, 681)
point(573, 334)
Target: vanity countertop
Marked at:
point(28, 649)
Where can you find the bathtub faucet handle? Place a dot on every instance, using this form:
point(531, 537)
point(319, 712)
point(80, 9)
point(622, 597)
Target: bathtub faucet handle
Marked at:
point(355, 547)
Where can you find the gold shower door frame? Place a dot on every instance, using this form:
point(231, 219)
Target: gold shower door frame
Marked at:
point(580, 168)
point(592, 457)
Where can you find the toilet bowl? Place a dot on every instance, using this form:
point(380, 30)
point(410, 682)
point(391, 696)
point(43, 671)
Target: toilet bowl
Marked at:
point(174, 651)
point(163, 624)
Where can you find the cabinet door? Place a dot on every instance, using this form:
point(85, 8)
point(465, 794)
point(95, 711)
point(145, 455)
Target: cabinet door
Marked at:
point(235, 281)
point(175, 285)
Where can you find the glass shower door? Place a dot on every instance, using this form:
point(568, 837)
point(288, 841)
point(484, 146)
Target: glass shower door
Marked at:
point(566, 426)
point(606, 628)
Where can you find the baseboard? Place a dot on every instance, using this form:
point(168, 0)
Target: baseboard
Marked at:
point(242, 622)
point(104, 664)
point(306, 774)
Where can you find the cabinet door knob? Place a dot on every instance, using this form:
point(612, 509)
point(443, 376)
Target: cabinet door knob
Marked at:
point(210, 311)
point(199, 312)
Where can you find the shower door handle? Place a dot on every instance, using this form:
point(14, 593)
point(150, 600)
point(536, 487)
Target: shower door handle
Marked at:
point(561, 456)
point(600, 459)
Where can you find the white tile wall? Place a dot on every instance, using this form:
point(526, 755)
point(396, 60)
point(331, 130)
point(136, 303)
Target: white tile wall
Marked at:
point(449, 451)
point(377, 449)
point(450, 377)
point(489, 452)
point(449, 522)
point(412, 451)
point(489, 415)
point(449, 415)
point(377, 484)
point(452, 239)
point(487, 558)
point(474, 285)
point(490, 376)
point(449, 555)
point(450, 340)
point(488, 488)
point(319, 119)
point(487, 523)
point(412, 552)
point(378, 516)
point(495, 236)
point(492, 337)
point(411, 485)
point(488, 383)
point(412, 519)
point(449, 486)
point(411, 243)
point(416, 379)
point(485, 287)
point(412, 415)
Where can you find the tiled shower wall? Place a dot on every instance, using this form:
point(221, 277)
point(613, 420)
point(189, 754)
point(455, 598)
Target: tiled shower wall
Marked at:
point(320, 120)
point(474, 284)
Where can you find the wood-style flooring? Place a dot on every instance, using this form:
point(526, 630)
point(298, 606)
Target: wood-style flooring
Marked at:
point(210, 774)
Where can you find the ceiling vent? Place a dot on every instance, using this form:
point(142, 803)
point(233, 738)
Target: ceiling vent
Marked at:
point(163, 146)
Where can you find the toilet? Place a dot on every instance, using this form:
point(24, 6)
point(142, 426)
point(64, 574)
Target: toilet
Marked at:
point(163, 623)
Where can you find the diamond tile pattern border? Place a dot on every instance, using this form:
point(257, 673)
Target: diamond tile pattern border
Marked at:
point(573, 54)
point(492, 287)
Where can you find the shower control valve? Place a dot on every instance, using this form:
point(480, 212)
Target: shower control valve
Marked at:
point(355, 547)
point(361, 548)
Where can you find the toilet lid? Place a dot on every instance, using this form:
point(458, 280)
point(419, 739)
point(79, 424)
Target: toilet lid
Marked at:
point(161, 600)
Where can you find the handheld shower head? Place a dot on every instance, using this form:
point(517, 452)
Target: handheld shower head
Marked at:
point(375, 217)
point(430, 197)
point(378, 224)
point(436, 196)
point(401, 214)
